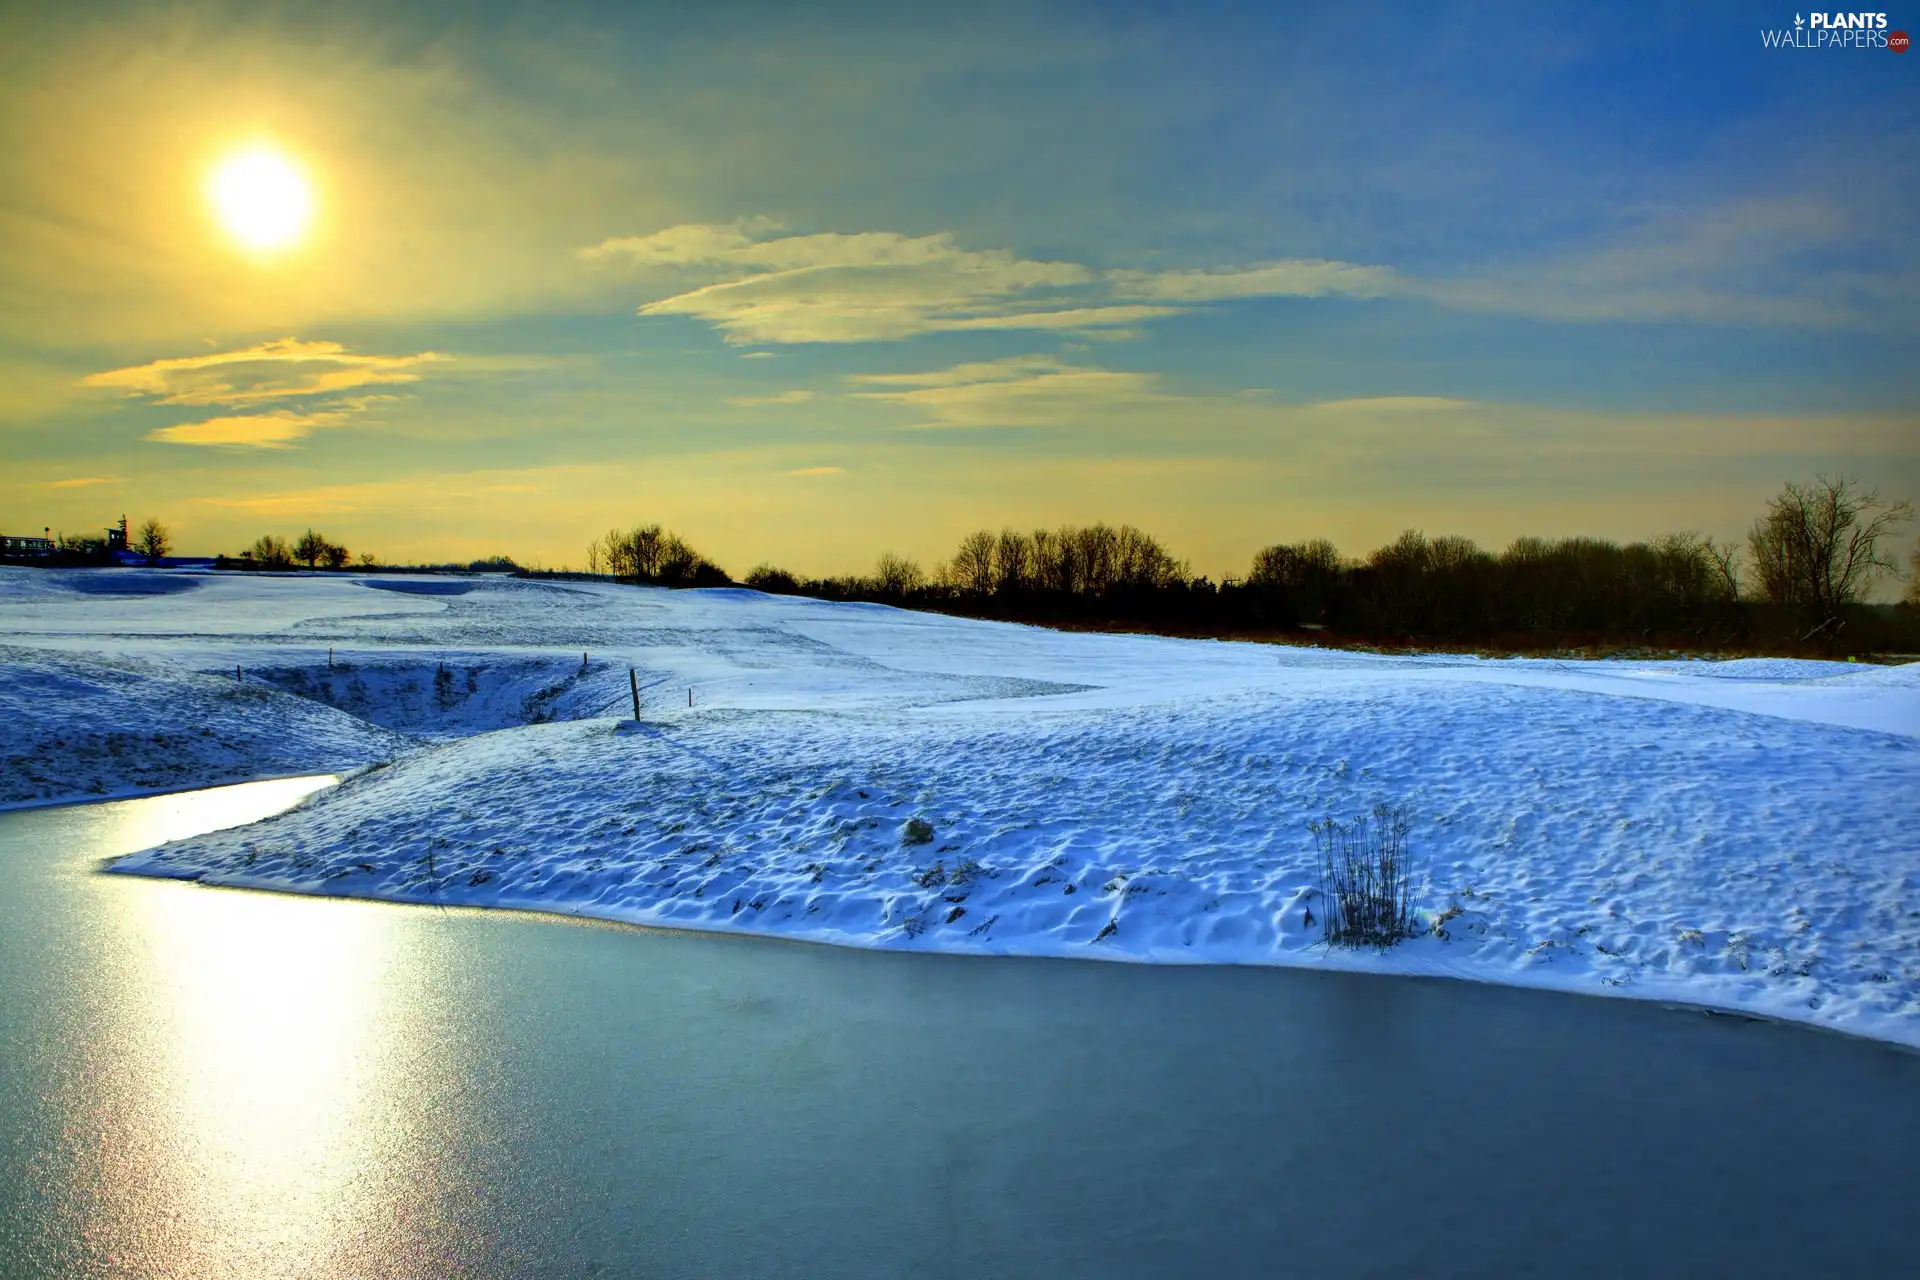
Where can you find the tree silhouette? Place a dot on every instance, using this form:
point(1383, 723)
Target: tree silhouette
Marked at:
point(153, 541)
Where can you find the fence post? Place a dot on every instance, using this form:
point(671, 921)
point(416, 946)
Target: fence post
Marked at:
point(633, 682)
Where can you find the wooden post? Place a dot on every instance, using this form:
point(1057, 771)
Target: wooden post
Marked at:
point(583, 661)
point(689, 697)
point(236, 671)
point(329, 655)
point(633, 682)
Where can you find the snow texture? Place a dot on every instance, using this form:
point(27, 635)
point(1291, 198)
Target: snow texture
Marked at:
point(75, 727)
point(1735, 834)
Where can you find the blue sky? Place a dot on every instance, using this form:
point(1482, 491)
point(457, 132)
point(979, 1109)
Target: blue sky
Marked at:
point(808, 285)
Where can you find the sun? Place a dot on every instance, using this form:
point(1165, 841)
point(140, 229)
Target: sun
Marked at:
point(261, 198)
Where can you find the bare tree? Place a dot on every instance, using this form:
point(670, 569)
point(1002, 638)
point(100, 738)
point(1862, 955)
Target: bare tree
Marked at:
point(1298, 565)
point(1013, 568)
point(336, 556)
point(972, 567)
point(1913, 574)
point(311, 549)
point(269, 552)
point(1818, 546)
point(153, 541)
point(1725, 558)
point(896, 575)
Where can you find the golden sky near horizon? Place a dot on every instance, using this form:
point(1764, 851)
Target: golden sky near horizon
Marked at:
point(808, 290)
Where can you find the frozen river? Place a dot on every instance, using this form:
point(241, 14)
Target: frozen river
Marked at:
point(200, 1083)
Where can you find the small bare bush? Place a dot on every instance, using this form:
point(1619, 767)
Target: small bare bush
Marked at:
point(1366, 879)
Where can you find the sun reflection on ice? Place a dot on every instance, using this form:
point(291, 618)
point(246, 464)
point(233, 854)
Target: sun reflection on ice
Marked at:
point(275, 1120)
point(278, 1073)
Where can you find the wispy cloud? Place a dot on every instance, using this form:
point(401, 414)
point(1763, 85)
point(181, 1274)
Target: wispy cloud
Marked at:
point(283, 369)
point(1393, 404)
point(81, 482)
point(331, 500)
point(1290, 278)
point(758, 286)
point(283, 390)
point(277, 430)
point(818, 471)
point(796, 396)
point(1015, 392)
point(877, 286)
point(1073, 319)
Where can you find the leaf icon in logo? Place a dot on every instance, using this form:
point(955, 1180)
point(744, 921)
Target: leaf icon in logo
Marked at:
point(1799, 21)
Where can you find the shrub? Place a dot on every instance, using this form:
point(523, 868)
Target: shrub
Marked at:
point(772, 580)
point(1366, 879)
point(268, 552)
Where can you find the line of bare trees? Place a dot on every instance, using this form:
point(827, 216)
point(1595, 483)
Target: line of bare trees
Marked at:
point(311, 550)
point(1799, 580)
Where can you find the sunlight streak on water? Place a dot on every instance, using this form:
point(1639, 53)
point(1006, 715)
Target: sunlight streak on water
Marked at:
point(249, 1097)
point(128, 826)
point(272, 1071)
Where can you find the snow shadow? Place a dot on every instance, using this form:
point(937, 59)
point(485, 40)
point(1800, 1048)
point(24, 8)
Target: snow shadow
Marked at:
point(452, 587)
point(457, 695)
point(126, 582)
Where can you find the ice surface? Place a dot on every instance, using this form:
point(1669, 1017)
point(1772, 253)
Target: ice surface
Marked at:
point(1732, 834)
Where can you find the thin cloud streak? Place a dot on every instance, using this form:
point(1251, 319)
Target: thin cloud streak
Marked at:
point(246, 431)
point(1019, 391)
point(882, 286)
point(285, 368)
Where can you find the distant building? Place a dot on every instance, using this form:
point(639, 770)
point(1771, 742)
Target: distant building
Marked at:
point(26, 545)
point(110, 549)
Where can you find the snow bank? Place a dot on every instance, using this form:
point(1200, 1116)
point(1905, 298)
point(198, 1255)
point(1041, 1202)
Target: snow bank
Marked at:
point(1733, 834)
point(1626, 847)
point(74, 726)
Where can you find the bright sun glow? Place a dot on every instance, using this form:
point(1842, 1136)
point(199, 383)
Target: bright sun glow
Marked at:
point(262, 199)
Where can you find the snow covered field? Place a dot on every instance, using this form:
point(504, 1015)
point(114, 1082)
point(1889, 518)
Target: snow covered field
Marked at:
point(1737, 834)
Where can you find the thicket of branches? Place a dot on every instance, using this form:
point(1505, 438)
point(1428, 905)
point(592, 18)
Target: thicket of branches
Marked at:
point(652, 555)
point(1366, 879)
point(1818, 546)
